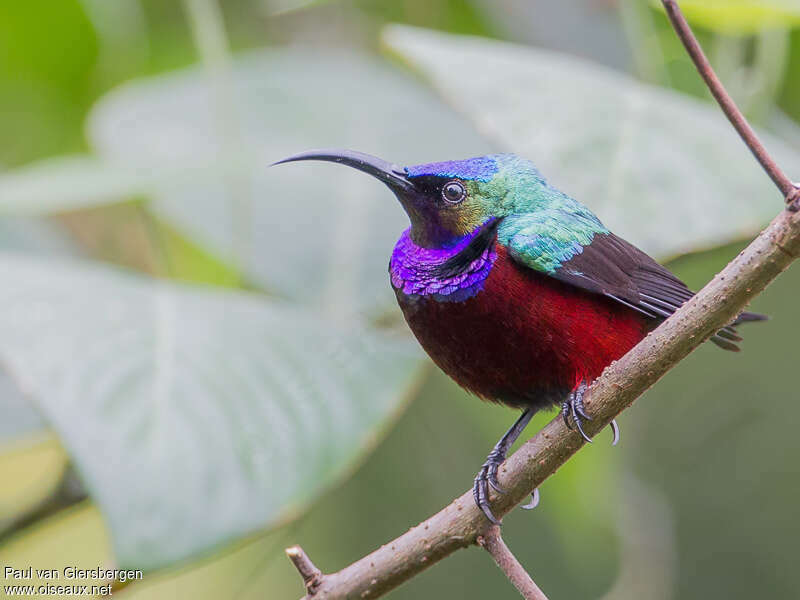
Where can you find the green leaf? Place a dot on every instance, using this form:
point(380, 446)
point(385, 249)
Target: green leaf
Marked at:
point(319, 234)
point(740, 16)
point(35, 236)
point(663, 170)
point(31, 469)
point(194, 415)
point(274, 8)
point(75, 537)
point(74, 182)
point(19, 417)
point(31, 236)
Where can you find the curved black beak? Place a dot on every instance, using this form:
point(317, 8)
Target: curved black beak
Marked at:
point(392, 175)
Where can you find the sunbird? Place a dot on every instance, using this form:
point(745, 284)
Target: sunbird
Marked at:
point(516, 290)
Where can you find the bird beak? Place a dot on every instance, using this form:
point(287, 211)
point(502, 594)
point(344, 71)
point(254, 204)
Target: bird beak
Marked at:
point(393, 176)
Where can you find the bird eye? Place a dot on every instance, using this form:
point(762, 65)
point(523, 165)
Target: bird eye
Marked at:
point(453, 192)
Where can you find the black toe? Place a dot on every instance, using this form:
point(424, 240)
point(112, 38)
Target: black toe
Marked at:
point(480, 492)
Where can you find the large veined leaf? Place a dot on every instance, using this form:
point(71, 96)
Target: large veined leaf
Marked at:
point(572, 26)
point(663, 170)
point(281, 7)
point(74, 182)
point(319, 234)
point(194, 415)
point(19, 417)
point(32, 462)
point(741, 16)
point(30, 236)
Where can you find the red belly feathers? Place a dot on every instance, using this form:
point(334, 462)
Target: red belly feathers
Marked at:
point(525, 339)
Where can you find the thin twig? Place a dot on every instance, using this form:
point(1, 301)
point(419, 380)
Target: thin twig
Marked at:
point(789, 190)
point(461, 524)
point(312, 576)
point(493, 543)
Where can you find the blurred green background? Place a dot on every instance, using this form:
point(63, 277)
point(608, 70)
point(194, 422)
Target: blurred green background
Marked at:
point(113, 154)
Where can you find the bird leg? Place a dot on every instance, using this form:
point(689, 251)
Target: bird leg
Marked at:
point(488, 474)
point(573, 407)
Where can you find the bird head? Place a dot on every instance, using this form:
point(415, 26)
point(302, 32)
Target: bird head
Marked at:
point(446, 201)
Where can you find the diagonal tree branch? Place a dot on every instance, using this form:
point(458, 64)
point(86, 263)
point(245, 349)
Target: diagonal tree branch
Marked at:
point(735, 116)
point(461, 524)
point(493, 543)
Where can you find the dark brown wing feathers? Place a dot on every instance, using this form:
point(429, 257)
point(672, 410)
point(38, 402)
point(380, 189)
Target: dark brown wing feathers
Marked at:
point(617, 269)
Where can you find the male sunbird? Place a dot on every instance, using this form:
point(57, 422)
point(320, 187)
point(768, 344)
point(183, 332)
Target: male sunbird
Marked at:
point(516, 290)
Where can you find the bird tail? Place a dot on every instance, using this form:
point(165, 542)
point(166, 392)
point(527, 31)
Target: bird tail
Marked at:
point(727, 337)
point(746, 317)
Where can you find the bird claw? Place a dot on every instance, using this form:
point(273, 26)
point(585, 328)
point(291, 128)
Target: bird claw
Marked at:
point(534, 500)
point(581, 412)
point(573, 407)
point(487, 476)
point(491, 477)
point(480, 492)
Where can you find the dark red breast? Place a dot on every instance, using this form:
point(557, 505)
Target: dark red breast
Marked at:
point(525, 339)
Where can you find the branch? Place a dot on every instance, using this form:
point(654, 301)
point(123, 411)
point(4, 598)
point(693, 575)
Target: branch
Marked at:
point(493, 543)
point(460, 524)
point(789, 190)
point(308, 571)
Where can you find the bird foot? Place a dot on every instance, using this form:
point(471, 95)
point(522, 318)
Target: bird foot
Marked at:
point(573, 408)
point(488, 476)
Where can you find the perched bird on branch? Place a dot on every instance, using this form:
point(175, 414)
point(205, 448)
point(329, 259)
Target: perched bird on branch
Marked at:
point(516, 290)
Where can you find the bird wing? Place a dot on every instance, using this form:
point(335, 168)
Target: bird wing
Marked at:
point(571, 247)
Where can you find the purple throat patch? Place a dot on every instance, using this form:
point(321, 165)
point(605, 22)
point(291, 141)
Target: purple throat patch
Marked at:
point(413, 269)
